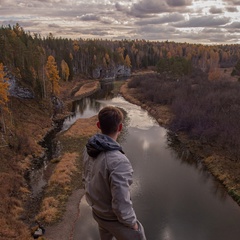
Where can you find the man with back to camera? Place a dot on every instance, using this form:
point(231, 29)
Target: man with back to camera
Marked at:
point(107, 177)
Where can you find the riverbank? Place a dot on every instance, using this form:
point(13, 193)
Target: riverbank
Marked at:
point(26, 125)
point(217, 162)
point(62, 221)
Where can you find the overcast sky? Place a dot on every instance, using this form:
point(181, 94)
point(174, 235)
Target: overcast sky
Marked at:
point(193, 21)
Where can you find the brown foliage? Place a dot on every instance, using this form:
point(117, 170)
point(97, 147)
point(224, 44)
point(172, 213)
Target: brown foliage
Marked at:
point(206, 110)
point(3, 88)
point(11, 208)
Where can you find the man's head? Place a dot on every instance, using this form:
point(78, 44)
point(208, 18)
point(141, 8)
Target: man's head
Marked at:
point(110, 120)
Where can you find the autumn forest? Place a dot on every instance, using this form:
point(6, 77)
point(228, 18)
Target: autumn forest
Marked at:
point(199, 83)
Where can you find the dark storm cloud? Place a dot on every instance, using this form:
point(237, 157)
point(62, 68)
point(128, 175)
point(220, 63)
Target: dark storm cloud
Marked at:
point(215, 10)
point(169, 18)
point(203, 21)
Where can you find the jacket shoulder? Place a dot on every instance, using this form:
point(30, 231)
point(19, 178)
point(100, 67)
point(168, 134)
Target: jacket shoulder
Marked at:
point(117, 160)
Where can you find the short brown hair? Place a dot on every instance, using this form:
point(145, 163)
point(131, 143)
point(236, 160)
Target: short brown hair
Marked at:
point(110, 118)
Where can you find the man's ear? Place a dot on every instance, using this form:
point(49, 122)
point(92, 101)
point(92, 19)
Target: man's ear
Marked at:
point(98, 125)
point(120, 127)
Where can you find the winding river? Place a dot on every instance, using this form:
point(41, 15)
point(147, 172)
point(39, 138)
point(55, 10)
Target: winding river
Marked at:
point(173, 196)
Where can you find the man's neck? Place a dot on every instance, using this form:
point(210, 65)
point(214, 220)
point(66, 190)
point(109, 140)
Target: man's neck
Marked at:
point(113, 136)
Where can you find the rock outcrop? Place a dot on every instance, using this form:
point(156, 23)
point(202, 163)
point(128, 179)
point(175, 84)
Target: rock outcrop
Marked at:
point(113, 72)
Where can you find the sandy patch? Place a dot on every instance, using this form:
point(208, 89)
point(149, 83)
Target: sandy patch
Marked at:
point(83, 127)
point(87, 88)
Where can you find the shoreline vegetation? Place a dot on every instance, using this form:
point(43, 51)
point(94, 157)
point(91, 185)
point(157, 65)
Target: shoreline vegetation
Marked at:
point(224, 168)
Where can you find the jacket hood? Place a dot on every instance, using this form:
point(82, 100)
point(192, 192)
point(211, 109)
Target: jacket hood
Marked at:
point(101, 143)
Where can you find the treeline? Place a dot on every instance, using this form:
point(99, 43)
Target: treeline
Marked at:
point(206, 110)
point(26, 55)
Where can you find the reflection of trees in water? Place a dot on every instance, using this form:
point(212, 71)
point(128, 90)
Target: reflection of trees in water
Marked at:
point(182, 152)
point(105, 92)
point(187, 157)
point(81, 105)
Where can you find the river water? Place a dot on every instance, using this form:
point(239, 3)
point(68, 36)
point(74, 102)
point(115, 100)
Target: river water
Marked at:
point(173, 196)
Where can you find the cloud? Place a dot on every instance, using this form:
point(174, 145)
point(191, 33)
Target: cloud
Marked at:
point(149, 7)
point(94, 32)
point(218, 36)
point(155, 33)
point(121, 7)
point(203, 21)
point(233, 2)
point(234, 25)
point(231, 9)
point(168, 18)
point(215, 10)
point(178, 3)
point(89, 17)
point(176, 20)
point(53, 25)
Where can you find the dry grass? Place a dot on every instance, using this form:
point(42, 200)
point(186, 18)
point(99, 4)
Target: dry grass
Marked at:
point(225, 73)
point(18, 231)
point(49, 210)
point(11, 195)
point(227, 172)
point(58, 189)
point(64, 170)
point(86, 88)
point(83, 127)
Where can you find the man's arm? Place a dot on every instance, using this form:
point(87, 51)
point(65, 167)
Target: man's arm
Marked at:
point(120, 181)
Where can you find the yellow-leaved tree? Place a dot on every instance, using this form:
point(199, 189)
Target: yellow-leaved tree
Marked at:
point(3, 95)
point(3, 88)
point(53, 74)
point(127, 61)
point(65, 70)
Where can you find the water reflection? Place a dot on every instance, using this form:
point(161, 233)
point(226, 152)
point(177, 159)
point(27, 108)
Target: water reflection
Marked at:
point(182, 153)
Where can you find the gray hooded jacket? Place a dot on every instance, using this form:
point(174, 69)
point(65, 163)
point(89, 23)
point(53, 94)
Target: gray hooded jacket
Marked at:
point(107, 177)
